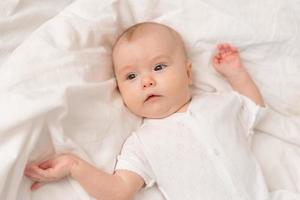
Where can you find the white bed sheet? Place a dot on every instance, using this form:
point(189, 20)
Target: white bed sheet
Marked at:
point(19, 18)
point(58, 94)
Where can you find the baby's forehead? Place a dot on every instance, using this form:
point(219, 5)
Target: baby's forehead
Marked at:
point(151, 40)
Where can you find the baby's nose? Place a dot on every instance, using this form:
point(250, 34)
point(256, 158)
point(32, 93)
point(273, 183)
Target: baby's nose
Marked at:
point(148, 82)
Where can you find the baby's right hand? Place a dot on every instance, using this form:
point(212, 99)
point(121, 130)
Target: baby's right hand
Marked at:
point(50, 170)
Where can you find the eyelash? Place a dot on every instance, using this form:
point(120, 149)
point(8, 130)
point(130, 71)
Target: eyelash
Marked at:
point(129, 76)
point(163, 66)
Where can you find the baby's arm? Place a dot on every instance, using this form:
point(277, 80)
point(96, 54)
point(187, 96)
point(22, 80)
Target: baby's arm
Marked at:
point(118, 186)
point(227, 62)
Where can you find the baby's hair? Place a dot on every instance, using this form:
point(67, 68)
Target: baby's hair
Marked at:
point(129, 34)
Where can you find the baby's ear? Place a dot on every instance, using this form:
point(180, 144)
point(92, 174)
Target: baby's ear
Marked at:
point(189, 71)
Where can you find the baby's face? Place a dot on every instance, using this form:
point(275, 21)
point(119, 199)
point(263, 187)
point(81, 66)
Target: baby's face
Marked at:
point(152, 73)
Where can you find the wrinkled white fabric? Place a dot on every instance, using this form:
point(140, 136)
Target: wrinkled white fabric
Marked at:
point(57, 91)
point(19, 18)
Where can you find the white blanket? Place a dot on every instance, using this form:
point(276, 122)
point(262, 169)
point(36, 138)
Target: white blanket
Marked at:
point(58, 94)
point(19, 18)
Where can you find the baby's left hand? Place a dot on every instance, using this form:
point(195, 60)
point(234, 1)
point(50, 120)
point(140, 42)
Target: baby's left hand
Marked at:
point(227, 61)
point(50, 170)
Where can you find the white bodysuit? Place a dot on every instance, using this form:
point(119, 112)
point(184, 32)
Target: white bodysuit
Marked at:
point(203, 153)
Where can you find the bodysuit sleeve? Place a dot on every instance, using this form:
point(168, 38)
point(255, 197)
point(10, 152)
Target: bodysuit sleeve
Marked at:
point(132, 158)
point(250, 114)
point(264, 119)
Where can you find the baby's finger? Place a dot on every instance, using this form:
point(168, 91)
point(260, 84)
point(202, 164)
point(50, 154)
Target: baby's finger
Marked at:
point(227, 48)
point(34, 177)
point(36, 173)
point(219, 46)
point(233, 49)
point(216, 61)
point(29, 170)
point(36, 185)
point(46, 164)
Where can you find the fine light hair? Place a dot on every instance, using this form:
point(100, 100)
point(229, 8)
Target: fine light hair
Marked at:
point(130, 33)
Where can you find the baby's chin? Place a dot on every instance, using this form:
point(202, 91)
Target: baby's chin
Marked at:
point(157, 114)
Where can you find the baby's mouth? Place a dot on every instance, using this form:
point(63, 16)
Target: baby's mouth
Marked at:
point(152, 97)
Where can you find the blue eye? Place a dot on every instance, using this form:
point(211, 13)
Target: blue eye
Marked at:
point(130, 76)
point(159, 67)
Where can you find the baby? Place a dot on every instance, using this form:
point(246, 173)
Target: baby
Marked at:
point(184, 145)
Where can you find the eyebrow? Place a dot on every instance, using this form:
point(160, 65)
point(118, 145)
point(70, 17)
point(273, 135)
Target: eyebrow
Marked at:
point(160, 57)
point(125, 68)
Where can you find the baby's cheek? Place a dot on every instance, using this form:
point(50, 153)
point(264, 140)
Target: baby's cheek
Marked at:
point(131, 100)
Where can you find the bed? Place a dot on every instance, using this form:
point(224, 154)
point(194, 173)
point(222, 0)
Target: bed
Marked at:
point(58, 93)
